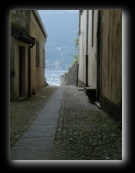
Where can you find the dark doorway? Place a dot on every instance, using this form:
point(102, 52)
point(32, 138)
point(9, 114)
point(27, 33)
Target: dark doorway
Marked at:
point(21, 71)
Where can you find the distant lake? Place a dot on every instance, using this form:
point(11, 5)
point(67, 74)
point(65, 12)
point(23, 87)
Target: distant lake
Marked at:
point(53, 76)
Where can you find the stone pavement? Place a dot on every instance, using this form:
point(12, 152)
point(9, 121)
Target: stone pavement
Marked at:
point(22, 113)
point(70, 128)
point(85, 132)
point(37, 141)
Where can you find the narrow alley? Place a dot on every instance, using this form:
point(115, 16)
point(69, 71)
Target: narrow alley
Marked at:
point(82, 118)
point(67, 127)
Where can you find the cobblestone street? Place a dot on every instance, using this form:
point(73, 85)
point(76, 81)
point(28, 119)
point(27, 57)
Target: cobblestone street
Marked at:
point(83, 131)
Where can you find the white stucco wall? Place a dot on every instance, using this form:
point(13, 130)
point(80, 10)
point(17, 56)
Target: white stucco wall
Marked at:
point(82, 48)
point(92, 50)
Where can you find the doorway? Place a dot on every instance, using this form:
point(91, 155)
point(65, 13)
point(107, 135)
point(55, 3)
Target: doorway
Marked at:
point(21, 71)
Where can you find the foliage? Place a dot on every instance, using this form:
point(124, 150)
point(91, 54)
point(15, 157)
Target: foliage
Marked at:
point(75, 56)
point(75, 59)
point(76, 42)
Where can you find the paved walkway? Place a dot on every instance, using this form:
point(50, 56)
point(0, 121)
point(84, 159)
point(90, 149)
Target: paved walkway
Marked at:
point(85, 132)
point(70, 128)
point(38, 140)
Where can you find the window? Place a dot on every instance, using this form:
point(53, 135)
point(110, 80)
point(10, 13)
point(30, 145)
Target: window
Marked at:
point(37, 54)
point(92, 40)
point(21, 71)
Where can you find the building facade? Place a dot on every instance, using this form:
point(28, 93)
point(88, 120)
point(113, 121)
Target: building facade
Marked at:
point(100, 58)
point(87, 48)
point(27, 53)
point(111, 62)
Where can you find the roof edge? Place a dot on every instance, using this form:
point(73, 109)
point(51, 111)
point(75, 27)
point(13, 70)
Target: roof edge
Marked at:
point(38, 18)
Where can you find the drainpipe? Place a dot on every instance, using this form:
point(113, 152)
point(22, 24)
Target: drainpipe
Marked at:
point(87, 21)
point(79, 33)
point(29, 77)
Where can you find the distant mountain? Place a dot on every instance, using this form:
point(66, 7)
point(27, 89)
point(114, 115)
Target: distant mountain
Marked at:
point(62, 28)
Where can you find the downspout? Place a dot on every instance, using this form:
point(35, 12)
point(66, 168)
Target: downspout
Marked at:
point(87, 21)
point(78, 46)
point(98, 57)
point(29, 78)
point(29, 55)
point(29, 69)
point(101, 36)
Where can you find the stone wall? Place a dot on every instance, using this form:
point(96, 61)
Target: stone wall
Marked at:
point(70, 78)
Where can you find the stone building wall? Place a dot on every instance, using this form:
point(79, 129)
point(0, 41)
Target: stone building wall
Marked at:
point(70, 78)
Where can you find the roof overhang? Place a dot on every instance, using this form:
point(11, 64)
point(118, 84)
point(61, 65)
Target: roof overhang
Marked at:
point(23, 37)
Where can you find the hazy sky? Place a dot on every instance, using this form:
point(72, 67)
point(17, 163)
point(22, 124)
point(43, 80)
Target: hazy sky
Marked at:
point(43, 13)
point(62, 28)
